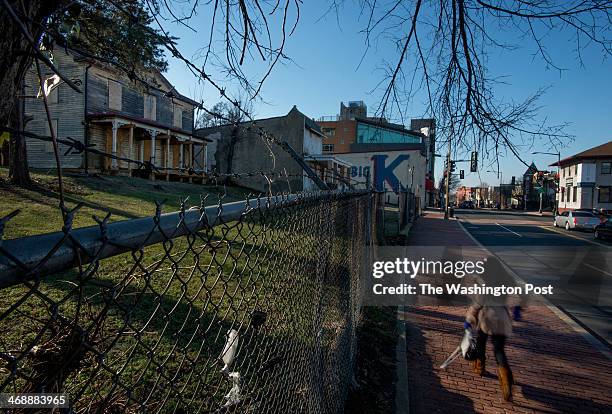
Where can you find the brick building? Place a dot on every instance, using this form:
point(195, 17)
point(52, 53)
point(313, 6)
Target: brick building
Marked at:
point(586, 179)
point(352, 129)
point(239, 150)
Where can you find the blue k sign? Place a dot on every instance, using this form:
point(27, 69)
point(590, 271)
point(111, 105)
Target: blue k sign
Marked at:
point(384, 173)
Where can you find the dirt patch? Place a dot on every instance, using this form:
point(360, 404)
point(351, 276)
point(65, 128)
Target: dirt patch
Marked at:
point(46, 184)
point(375, 363)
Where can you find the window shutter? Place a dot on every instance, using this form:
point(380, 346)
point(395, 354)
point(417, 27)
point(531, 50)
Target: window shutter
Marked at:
point(178, 116)
point(115, 95)
point(150, 107)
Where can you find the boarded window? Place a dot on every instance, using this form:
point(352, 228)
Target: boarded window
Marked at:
point(48, 145)
point(150, 107)
point(178, 116)
point(114, 95)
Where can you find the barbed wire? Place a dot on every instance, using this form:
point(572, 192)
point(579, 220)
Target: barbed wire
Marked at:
point(77, 147)
point(204, 310)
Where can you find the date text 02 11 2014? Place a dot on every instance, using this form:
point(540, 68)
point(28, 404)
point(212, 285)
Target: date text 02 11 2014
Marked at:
point(31, 400)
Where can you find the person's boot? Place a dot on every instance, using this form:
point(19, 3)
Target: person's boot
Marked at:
point(479, 366)
point(505, 380)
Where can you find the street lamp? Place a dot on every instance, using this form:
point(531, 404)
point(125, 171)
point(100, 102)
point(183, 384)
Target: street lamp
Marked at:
point(500, 175)
point(411, 172)
point(558, 154)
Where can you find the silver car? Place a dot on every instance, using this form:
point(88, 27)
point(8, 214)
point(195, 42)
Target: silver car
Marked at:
point(576, 220)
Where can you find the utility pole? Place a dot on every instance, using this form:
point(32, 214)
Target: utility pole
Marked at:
point(446, 189)
point(501, 180)
point(541, 198)
point(558, 181)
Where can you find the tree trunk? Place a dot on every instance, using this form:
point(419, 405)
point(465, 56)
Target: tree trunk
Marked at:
point(15, 60)
point(18, 167)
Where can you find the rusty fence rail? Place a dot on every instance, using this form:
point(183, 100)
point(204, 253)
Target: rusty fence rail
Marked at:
point(246, 307)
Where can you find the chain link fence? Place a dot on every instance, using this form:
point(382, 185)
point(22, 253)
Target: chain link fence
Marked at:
point(239, 307)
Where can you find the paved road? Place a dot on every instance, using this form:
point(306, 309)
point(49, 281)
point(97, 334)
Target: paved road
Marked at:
point(556, 369)
point(579, 267)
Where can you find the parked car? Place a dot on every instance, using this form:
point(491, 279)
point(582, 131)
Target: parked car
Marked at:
point(603, 230)
point(466, 204)
point(576, 220)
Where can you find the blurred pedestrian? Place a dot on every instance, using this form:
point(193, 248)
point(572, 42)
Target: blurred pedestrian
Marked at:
point(496, 322)
point(491, 317)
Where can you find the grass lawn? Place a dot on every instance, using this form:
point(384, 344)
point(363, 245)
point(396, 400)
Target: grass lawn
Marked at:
point(158, 317)
point(122, 196)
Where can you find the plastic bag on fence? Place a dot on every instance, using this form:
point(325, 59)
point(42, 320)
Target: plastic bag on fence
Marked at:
point(229, 350)
point(234, 395)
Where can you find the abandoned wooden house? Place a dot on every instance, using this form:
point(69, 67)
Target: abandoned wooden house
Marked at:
point(143, 121)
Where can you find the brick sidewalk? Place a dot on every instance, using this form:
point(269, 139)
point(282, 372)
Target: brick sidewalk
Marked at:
point(555, 369)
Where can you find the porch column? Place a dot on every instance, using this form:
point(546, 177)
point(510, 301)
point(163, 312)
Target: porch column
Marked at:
point(181, 154)
point(130, 148)
point(141, 155)
point(192, 159)
point(168, 164)
point(191, 155)
point(153, 135)
point(114, 146)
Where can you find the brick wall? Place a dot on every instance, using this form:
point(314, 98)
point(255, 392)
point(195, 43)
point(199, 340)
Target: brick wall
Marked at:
point(345, 134)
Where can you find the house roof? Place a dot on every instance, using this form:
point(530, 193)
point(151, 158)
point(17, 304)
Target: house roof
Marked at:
point(159, 77)
point(600, 151)
point(155, 124)
point(173, 93)
point(532, 169)
point(308, 123)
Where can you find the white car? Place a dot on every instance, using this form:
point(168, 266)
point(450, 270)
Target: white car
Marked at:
point(576, 220)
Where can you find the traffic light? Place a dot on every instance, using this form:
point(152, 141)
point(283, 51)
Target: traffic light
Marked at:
point(513, 180)
point(453, 166)
point(461, 174)
point(474, 162)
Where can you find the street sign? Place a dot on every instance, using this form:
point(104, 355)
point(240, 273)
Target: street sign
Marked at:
point(461, 174)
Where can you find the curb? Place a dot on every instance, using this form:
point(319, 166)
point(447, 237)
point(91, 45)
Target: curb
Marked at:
point(586, 335)
point(402, 397)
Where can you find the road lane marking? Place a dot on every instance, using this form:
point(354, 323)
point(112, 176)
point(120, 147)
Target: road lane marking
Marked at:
point(576, 327)
point(598, 269)
point(566, 233)
point(505, 228)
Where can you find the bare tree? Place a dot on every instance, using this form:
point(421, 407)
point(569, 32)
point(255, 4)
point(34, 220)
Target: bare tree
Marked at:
point(453, 183)
point(223, 113)
point(443, 49)
point(239, 32)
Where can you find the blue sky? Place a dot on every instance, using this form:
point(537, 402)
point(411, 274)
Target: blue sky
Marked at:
point(326, 71)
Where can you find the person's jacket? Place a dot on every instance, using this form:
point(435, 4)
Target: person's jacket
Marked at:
point(492, 320)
